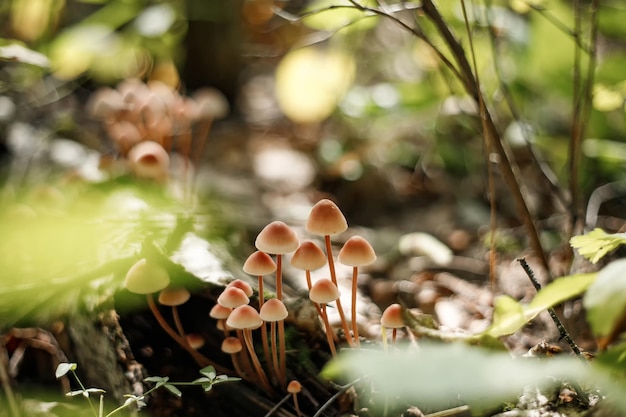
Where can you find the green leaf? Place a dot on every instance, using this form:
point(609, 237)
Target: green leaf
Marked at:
point(64, 368)
point(209, 372)
point(207, 387)
point(597, 243)
point(76, 393)
point(509, 315)
point(478, 377)
point(605, 300)
point(95, 391)
point(201, 381)
point(171, 388)
point(157, 379)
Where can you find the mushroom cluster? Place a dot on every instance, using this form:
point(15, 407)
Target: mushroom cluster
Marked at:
point(276, 240)
point(149, 121)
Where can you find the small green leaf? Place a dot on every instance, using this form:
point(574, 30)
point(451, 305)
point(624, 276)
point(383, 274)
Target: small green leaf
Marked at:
point(159, 380)
point(605, 300)
point(201, 381)
point(597, 243)
point(207, 387)
point(209, 372)
point(171, 388)
point(131, 399)
point(64, 368)
point(509, 316)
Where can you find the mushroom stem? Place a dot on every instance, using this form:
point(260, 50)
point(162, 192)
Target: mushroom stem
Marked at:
point(295, 403)
point(178, 323)
point(264, 341)
point(197, 356)
point(383, 332)
point(355, 326)
point(333, 278)
point(277, 369)
point(247, 336)
point(282, 355)
point(329, 330)
point(245, 363)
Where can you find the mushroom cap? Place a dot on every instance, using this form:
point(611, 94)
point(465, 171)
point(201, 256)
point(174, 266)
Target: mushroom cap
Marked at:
point(231, 345)
point(233, 297)
point(273, 310)
point(277, 238)
point(324, 291)
point(357, 251)
point(242, 285)
point(259, 263)
point(220, 312)
point(174, 296)
point(146, 277)
point(326, 219)
point(244, 317)
point(308, 257)
point(195, 341)
point(294, 387)
point(392, 317)
point(149, 160)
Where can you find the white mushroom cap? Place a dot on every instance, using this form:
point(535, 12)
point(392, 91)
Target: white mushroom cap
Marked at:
point(233, 297)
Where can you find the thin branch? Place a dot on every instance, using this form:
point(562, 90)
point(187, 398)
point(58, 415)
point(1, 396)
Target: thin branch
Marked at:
point(546, 171)
point(545, 13)
point(564, 334)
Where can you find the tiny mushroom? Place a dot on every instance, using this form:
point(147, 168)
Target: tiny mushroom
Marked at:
point(326, 219)
point(294, 389)
point(274, 311)
point(356, 252)
point(391, 319)
point(278, 238)
point(246, 318)
point(149, 160)
point(260, 264)
point(322, 292)
point(174, 297)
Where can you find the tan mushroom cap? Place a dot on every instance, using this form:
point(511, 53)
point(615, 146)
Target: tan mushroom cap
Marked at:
point(233, 297)
point(149, 160)
point(244, 317)
point(357, 251)
point(195, 341)
point(324, 291)
point(146, 277)
point(242, 285)
point(326, 219)
point(174, 296)
point(220, 312)
point(308, 257)
point(259, 263)
point(231, 345)
point(273, 310)
point(277, 238)
point(294, 387)
point(392, 317)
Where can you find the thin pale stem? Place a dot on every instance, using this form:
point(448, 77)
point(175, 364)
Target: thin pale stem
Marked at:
point(264, 341)
point(277, 368)
point(329, 330)
point(333, 278)
point(282, 354)
point(247, 336)
point(355, 324)
point(197, 356)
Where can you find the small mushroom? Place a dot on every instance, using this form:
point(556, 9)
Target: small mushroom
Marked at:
point(356, 252)
point(325, 291)
point(274, 311)
point(326, 219)
point(391, 319)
